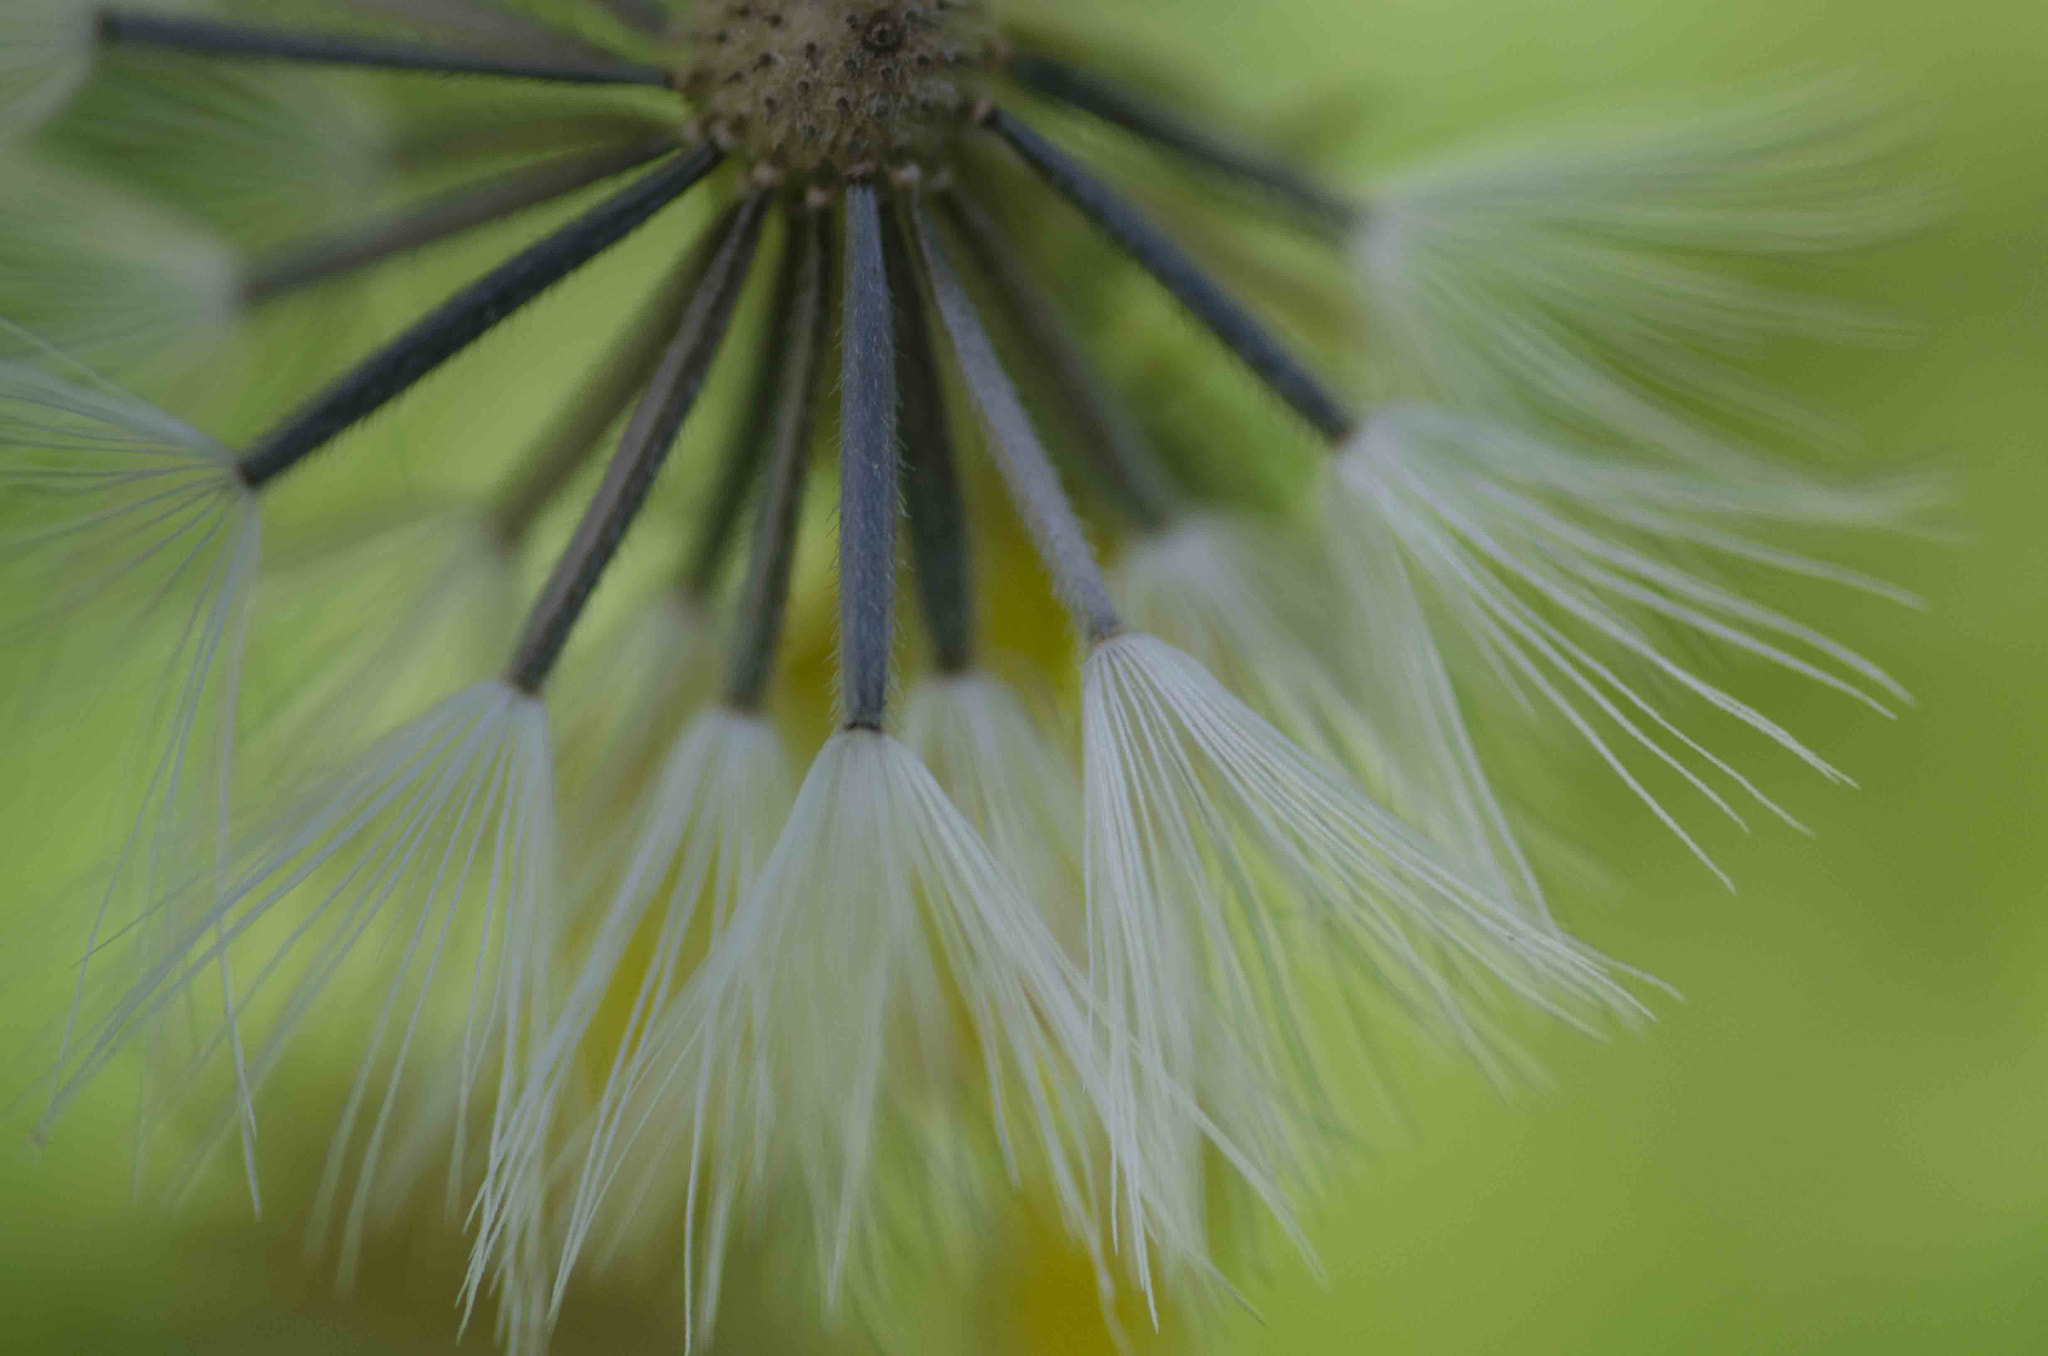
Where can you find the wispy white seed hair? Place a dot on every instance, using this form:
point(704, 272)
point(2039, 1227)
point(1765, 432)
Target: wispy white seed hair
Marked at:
point(1234, 883)
point(830, 1020)
point(1368, 691)
point(1581, 273)
point(45, 51)
point(131, 548)
point(1009, 776)
point(710, 819)
point(618, 700)
point(407, 908)
point(1581, 580)
point(257, 151)
point(105, 274)
point(1242, 604)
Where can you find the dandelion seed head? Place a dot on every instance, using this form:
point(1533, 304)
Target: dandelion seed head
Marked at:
point(655, 1001)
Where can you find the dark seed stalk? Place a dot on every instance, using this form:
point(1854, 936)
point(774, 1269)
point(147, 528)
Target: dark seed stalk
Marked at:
point(1028, 471)
point(867, 468)
point(1111, 102)
point(569, 441)
point(1125, 464)
point(444, 216)
point(468, 316)
point(936, 513)
point(642, 451)
point(1238, 330)
point(207, 37)
point(800, 341)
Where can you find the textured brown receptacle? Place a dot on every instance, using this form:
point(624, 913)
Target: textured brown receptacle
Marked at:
point(829, 88)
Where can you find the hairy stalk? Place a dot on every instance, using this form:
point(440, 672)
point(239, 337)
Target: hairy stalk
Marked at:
point(205, 37)
point(801, 344)
point(567, 444)
point(1125, 464)
point(1034, 485)
point(867, 468)
point(443, 217)
point(1239, 331)
point(936, 513)
point(468, 316)
point(1101, 97)
point(642, 452)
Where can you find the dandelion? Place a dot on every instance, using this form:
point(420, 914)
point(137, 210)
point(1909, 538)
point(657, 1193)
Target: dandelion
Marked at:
point(606, 971)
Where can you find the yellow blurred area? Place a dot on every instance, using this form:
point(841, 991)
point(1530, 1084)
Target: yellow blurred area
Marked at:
point(1835, 1143)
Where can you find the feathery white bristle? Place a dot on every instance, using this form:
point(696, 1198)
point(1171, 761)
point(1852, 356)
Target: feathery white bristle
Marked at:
point(1009, 777)
point(100, 272)
point(256, 150)
point(619, 700)
point(828, 1016)
point(410, 904)
point(1580, 273)
point(1369, 694)
point(46, 49)
point(710, 818)
point(1562, 569)
point(1233, 880)
point(131, 549)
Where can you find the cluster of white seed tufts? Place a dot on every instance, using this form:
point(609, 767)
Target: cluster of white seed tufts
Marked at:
point(831, 89)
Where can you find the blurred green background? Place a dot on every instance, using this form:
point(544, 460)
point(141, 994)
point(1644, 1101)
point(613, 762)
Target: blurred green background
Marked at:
point(1837, 1142)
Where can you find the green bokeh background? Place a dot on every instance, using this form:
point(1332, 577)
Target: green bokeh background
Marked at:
point(1838, 1141)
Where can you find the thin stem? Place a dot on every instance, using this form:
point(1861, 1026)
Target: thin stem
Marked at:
point(867, 468)
point(206, 37)
point(468, 316)
point(1028, 471)
point(1124, 462)
point(800, 341)
point(747, 449)
point(444, 216)
point(645, 17)
point(1123, 107)
point(642, 450)
point(1256, 346)
point(484, 27)
point(936, 513)
point(569, 441)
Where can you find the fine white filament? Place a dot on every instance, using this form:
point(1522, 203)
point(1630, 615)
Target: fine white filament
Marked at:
point(409, 904)
point(1575, 578)
point(1582, 273)
point(1232, 880)
point(710, 819)
point(125, 533)
point(831, 1019)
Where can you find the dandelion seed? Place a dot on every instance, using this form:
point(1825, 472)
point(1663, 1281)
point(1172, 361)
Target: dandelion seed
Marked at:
point(1578, 272)
point(1561, 568)
point(97, 271)
point(1212, 843)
